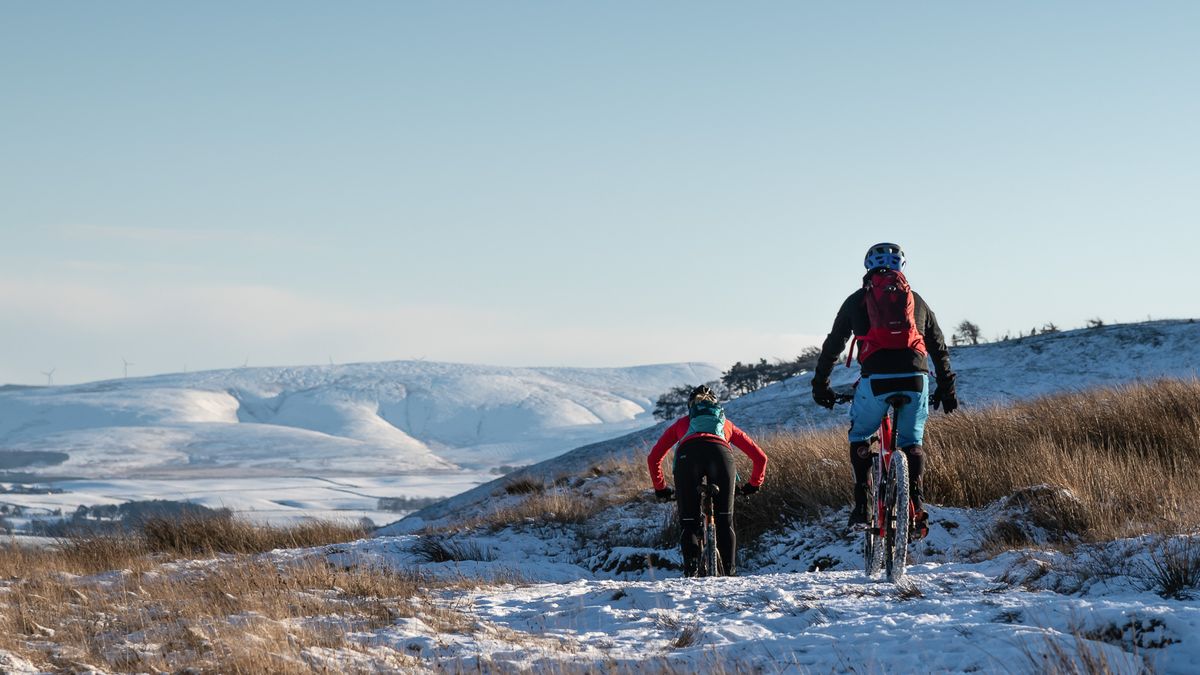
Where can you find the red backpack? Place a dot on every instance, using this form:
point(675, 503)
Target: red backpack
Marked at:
point(890, 304)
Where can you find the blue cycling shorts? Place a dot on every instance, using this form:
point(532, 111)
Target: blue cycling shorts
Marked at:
point(869, 407)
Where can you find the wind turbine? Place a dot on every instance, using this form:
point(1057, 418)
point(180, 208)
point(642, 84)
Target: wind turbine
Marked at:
point(127, 364)
point(49, 376)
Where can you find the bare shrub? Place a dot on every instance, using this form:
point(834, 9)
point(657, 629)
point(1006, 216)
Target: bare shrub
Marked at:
point(1005, 535)
point(439, 548)
point(523, 486)
point(688, 635)
point(908, 591)
point(1074, 656)
point(1174, 568)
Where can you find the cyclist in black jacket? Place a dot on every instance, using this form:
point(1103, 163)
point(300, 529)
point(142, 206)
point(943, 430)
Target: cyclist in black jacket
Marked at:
point(884, 373)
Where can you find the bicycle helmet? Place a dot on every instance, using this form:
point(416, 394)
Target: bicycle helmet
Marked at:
point(886, 255)
point(702, 393)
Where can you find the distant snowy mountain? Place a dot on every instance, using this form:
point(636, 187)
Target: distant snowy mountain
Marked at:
point(987, 374)
point(389, 418)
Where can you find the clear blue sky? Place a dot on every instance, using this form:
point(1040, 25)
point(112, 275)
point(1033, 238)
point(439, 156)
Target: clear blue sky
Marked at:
point(549, 183)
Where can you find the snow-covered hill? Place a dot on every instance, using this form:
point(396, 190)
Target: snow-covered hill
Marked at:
point(389, 418)
point(987, 374)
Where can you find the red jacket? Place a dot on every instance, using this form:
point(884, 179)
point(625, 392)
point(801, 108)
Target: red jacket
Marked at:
point(676, 434)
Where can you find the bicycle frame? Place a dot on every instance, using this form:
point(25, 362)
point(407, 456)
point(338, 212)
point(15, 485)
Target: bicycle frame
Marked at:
point(887, 448)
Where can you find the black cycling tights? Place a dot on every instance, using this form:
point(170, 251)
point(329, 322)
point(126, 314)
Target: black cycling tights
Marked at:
point(696, 458)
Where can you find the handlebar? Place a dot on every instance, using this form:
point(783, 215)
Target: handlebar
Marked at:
point(715, 490)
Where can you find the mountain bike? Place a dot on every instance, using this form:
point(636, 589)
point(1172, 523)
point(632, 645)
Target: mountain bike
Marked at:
point(890, 510)
point(710, 554)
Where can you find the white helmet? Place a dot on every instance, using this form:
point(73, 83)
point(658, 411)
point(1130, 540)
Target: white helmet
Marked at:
point(886, 255)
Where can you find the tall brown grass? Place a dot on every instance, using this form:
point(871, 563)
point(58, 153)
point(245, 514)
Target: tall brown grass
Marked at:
point(166, 539)
point(155, 609)
point(567, 500)
point(190, 536)
point(1129, 457)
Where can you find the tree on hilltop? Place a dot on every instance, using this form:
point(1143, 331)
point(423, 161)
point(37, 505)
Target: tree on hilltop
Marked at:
point(967, 333)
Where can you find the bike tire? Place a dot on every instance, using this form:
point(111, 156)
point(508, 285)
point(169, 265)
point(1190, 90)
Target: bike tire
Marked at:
point(896, 553)
point(712, 555)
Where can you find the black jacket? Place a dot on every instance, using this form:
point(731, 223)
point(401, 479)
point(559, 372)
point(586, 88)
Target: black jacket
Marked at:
point(852, 319)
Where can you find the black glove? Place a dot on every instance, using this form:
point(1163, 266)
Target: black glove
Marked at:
point(822, 394)
point(747, 490)
point(665, 495)
point(945, 395)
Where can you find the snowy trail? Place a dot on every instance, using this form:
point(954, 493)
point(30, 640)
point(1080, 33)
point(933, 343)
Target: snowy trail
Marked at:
point(945, 617)
point(950, 618)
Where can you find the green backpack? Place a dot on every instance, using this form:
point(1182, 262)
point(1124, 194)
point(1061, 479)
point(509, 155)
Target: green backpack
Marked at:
point(706, 418)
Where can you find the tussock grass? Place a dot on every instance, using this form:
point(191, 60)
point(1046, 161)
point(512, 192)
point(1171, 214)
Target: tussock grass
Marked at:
point(1174, 568)
point(439, 548)
point(162, 538)
point(568, 500)
point(1117, 461)
point(524, 485)
point(207, 535)
point(1078, 656)
point(136, 603)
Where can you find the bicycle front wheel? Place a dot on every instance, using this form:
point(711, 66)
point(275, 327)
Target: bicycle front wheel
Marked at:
point(712, 555)
point(896, 554)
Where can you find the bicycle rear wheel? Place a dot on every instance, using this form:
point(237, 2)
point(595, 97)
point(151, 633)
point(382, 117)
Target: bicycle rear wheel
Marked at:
point(872, 542)
point(896, 546)
point(712, 555)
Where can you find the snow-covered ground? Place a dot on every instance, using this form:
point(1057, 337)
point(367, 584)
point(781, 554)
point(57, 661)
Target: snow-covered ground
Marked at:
point(949, 618)
point(547, 597)
point(806, 607)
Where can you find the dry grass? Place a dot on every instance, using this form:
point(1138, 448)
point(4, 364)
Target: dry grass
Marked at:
point(162, 538)
point(1174, 568)
point(439, 548)
point(1127, 457)
point(236, 614)
point(1076, 656)
point(208, 535)
point(568, 500)
point(1084, 467)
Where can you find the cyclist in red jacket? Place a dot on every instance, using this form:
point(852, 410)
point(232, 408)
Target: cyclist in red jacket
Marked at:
point(704, 437)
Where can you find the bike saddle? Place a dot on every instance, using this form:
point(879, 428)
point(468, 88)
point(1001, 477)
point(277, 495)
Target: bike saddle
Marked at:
point(709, 489)
point(897, 400)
